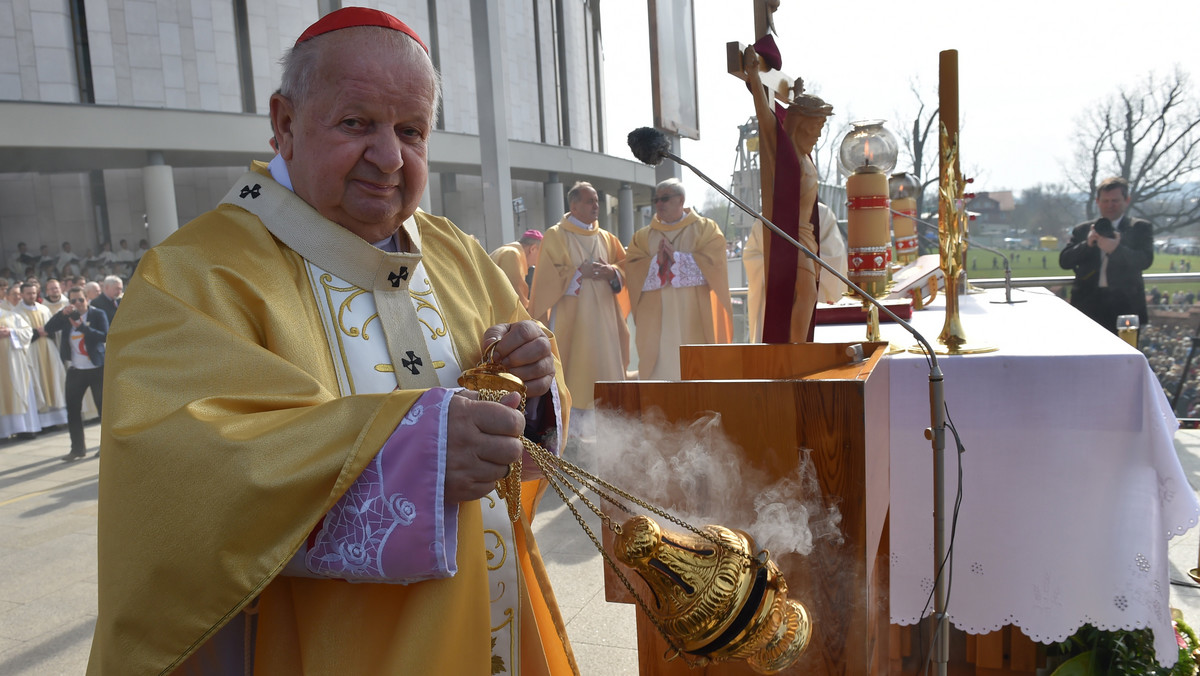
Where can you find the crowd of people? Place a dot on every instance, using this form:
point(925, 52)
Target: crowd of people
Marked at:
point(53, 331)
point(1166, 347)
point(45, 264)
point(1178, 299)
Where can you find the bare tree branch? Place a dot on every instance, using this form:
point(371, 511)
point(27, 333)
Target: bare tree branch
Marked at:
point(1148, 134)
point(914, 142)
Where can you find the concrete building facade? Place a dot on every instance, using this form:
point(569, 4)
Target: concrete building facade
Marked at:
point(122, 119)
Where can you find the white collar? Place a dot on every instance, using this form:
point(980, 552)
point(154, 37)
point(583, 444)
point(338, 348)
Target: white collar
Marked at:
point(279, 172)
point(578, 223)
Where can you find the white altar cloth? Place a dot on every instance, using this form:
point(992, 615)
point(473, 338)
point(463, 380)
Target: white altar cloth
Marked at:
point(1071, 482)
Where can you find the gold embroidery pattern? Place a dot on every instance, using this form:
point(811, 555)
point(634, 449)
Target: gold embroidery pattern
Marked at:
point(497, 550)
point(344, 307)
point(325, 279)
point(500, 588)
point(424, 304)
point(388, 368)
point(498, 661)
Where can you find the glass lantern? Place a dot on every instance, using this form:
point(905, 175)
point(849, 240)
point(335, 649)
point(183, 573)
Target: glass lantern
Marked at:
point(868, 148)
point(902, 189)
point(902, 185)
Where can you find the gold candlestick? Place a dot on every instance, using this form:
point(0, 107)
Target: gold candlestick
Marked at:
point(952, 246)
point(952, 214)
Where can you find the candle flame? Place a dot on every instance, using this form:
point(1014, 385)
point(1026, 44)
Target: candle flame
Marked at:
point(867, 154)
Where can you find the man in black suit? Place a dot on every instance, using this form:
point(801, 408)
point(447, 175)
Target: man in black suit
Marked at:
point(1108, 256)
point(110, 296)
point(84, 330)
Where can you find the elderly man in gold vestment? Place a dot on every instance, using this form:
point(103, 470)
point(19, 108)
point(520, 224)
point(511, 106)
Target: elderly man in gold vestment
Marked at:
point(678, 283)
point(579, 292)
point(283, 417)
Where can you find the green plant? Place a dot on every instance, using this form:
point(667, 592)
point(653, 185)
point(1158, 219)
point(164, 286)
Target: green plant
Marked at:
point(1095, 652)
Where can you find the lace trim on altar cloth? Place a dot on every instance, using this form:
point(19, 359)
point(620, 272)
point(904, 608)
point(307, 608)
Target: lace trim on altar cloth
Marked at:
point(1040, 606)
point(391, 525)
point(1177, 517)
point(684, 273)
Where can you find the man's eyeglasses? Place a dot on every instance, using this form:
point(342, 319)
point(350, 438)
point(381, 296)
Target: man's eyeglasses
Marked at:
point(77, 301)
point(664, 198)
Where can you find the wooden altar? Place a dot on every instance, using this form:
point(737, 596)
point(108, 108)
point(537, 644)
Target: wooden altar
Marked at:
point(775, 400)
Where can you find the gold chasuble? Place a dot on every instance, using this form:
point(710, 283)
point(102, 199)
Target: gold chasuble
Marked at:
point(585, 315)
point(684, 309)
point(511, 259)
point(265, 357)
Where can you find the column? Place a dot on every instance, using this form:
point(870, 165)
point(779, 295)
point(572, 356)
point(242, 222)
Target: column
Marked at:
point(668, 169)
point(158, 182)
point(604, 218)
point(555, 199)
point(492, 103)
point(625, 228)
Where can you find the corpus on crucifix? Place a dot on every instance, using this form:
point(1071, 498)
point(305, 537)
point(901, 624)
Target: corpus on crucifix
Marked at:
point(788, 177)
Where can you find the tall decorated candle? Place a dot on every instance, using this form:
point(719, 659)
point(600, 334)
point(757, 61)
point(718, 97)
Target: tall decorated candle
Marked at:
point(903, 191)
point(867, 154)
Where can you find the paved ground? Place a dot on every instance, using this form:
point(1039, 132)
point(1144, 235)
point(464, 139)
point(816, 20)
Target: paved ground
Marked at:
point(48, 555)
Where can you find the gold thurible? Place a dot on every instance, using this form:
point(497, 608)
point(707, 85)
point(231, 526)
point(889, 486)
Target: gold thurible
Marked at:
point(492, 382)
point(715, 596)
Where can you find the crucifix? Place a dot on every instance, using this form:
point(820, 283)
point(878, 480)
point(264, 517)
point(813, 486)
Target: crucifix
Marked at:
point(777, 82)
point(789, 123)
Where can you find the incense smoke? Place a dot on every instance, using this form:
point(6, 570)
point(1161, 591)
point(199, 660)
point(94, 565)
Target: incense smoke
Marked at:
point(698, 474)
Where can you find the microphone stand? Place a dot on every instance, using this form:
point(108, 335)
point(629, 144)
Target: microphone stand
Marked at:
point(936, 433)
point(1007, 266)
point(1007, 274)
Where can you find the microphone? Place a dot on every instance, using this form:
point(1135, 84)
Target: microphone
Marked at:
point(651, 146)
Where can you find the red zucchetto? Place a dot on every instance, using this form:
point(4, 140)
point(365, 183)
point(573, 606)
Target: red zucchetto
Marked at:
point(351, 17)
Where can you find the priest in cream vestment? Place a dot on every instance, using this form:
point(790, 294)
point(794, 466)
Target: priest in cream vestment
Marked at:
point(678, 275)
point(283, 420)
point(45, 361)
point(18, 403)
point(579, 292)
point(515, 259)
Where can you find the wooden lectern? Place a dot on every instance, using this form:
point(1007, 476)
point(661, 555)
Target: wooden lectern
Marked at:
point(775, 400)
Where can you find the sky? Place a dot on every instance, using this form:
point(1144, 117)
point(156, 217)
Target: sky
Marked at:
point(1027, 70)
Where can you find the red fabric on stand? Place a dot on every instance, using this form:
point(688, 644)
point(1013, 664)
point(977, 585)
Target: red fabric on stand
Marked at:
point(781, 264)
